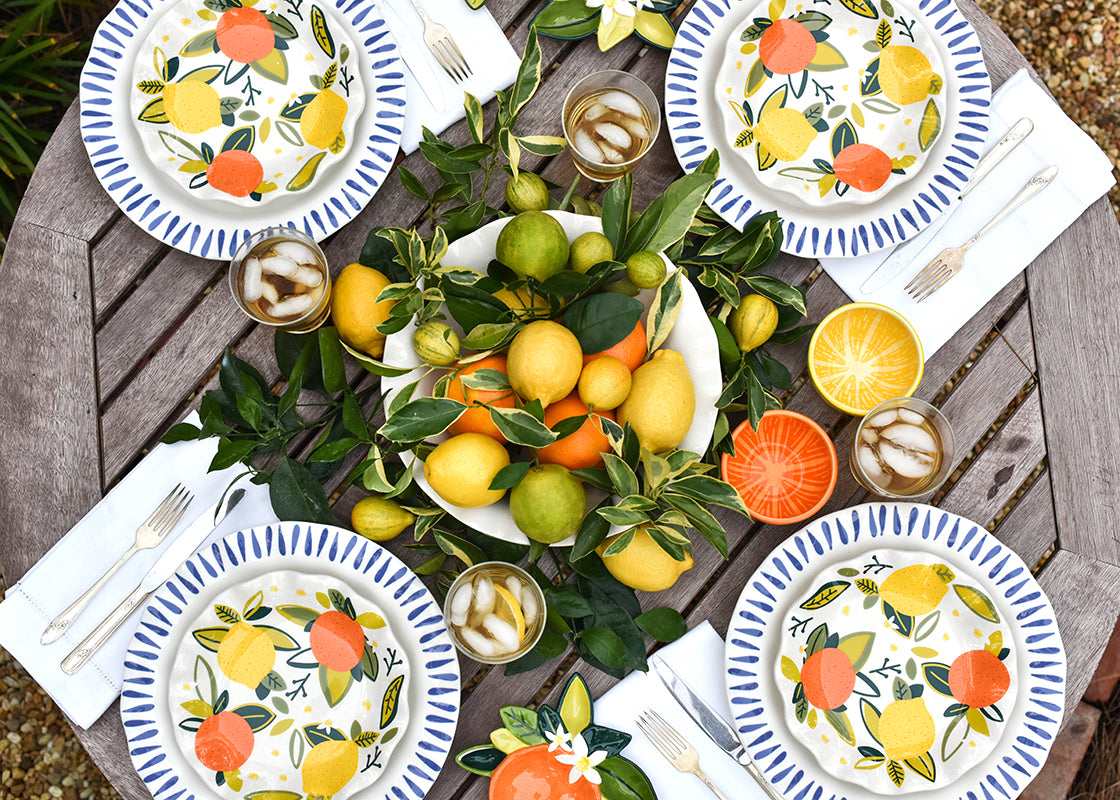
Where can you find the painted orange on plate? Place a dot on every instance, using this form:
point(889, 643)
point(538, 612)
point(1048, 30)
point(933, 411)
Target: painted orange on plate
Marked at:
point(786, 471)
point(862, 354)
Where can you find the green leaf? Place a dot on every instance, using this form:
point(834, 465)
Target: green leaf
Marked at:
point(682, 200)
point(568, 602)
point(240, 139)
point(322, 33)
point(521, 428)
point(202, 44)
point(334, 371)
point(474, 116)
point(510, 475)
point(663, 624)
point(561, 14)
point(302, 179)
point(528, 78)
point(937, 677)
point(296, 494)
point(605, 645)
point(421, 418)
point(601, 321)
point(231, 452)
point(664, 311)
point(700, 518)
point(411, 183)
point(460, 548)
point(616, 213)
point(781, 293)
point(592, 532)
point(183, 432)
point(622, 476)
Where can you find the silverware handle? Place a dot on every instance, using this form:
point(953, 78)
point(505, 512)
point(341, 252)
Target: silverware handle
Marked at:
point(708, 782)
point(108, 626)
point(420, 10)
point(1035, 185)
point(1019, 131)
point(60, 624)
point(760, 779)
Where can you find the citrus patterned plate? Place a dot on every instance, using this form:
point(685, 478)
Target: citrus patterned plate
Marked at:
point(696, 121)
point(299, 660)
point(835, 104)
point(279, 148)
point(785, 471)
point(895, 648)
point(862, 354)
point(239, 682)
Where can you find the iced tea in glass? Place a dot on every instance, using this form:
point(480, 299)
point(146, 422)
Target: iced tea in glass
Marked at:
point(610, 120)
point(279, 277)
point(903, 448)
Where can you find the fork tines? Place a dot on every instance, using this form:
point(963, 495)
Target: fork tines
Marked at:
point(664, 738)
point(451, 59)
point(168, 512)
point(931, 278)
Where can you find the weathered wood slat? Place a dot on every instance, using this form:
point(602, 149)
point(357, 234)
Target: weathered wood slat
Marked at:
point(50, 464)
point(119, 258)
point(1030, 527)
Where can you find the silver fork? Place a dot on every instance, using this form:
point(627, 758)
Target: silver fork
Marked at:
point(672, 745)
point(148, 535)
point(443, 47)
point(950, 260)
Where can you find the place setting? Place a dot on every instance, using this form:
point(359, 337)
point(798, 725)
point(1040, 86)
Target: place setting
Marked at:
point(554, 434)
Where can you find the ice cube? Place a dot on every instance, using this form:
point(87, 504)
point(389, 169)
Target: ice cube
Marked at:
point(595, 112)
point(269, 291)
point(635, 127)
point(501, 632)
point(868, 436)
point(910, 437)
point(612, 156)
point(292, 306)
point(295, 251)
point(907, 463)
point(308, 276)
point(461, 604)
point(479, 643)
point(883, 418)
point(530, 607)
point(279, 265)
point(912, 417)
point(871, 467)
point(513, 584)
point(586, 146)
point(621, 101)
point(612, 134)
point(251, 289)
point(484, 596)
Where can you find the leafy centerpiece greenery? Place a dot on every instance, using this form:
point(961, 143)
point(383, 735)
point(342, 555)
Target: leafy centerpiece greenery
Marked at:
point(668, 494)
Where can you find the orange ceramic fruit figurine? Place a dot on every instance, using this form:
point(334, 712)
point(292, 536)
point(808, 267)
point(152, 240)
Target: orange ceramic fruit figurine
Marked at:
point(534, 773)
point(235, 172)
point(787, 47)
point(223, 742)
point(829, 678)
point(245, 35)
point(978, 679)
point(337, 641)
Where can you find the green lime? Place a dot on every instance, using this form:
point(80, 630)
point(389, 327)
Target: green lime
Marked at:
point(533, 244)
point(645, 270)
point(526, 192)
point(589, 249)
point(548, 504)
point(436, 344)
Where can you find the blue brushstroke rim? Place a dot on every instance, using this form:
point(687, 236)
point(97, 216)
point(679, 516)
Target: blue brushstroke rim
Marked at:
point(914, 526)
point(384, 576)
point(106, 79)
point(694, 132)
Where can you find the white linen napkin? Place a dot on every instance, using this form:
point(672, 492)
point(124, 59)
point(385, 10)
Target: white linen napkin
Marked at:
point(90, 548)
point(484, 45)
point(1084, 175)
point(698, 658)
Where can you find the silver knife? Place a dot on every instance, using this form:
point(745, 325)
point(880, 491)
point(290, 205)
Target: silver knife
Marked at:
point(903, 254)
point(414, 55)
point(718, 729)
point(177, 552)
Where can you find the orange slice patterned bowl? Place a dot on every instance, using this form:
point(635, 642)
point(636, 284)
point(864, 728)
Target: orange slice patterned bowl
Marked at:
point(862, 354)
point(786, 471)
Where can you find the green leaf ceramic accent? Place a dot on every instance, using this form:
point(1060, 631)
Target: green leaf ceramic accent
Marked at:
point(576, 709)
point(481, 760)
point(522, 723)
point(825, 595)
point(321, 31)
point(977, 602)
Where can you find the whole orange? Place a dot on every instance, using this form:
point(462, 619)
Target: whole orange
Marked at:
point(476, 419)
point(631, 351)
point(585, 447)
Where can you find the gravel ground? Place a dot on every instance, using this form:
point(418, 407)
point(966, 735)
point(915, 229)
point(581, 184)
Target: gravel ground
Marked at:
point(1076, 49)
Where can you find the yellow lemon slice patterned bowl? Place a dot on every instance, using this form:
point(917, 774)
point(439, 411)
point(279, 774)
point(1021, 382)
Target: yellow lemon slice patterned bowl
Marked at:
point(862, 354)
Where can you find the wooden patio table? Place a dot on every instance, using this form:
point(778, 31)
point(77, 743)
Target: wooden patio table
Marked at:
point(109, 337)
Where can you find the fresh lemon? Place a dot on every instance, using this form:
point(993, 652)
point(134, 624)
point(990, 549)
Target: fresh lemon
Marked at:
point(379, 518)
point(246, 655)
point(753, 321)
point(355, 310)
point(525, 305)
point(604, 383)
point(192, 106)
point(588, 249)
point(904, 74)
point(548, 504)
point(436, 344)
point(785, 133)
point(544, 362)
point(645, 270)
point(526, 192)
point(509, 609)
point(533, 244)
point(643, 565)
point(322, 118)
point(906, 729)
point(461, 469)
point(661, 402)
point(915, 590)
point(328, 767)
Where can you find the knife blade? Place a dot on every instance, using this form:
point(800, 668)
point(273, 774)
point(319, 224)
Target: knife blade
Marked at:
point(414, 55)
point(709, 720)
point(176, 553)
point(904, 253)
